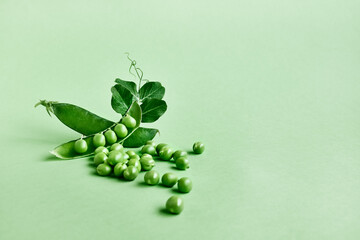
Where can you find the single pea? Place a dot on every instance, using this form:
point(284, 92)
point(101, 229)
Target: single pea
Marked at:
point(166, 153)
point(179, 153)
point(147, 163)
point(80, 146)
point(135, 157)
point(121, 130)
point(175, 204)
point(146, 155)
point(150, 142)
point(129, 121)
point(169, 179)
point(126, 156)
point(182, 163)
point(101, 149)
point(184, 185)
point(130, 173)
point(134, 162)
point(103, 169)
point(110, 136)
point(119, 169)
point(116, 147)
point(149, 149)
point(131, 153)
point(100, 158)
point(152, 177)
point(99, 140)
point(115, 157)
point(198, 147)
point(160, 146)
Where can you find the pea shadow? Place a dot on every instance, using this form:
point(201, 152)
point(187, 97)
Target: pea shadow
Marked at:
point(163, 212)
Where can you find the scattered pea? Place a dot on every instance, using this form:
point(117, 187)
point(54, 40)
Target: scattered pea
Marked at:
point(147, 163)
point(184, 185)
point(166, 153)
point(182, 163)
point(152, 177)
point(130, 173)
point(169, 179)
point(135, 157)
point(110, 136)
point(179, 153)
point(103, 169)
point(80, 146)
point(134, 162)
point(131, 153)
point(198, 147)
point(160, 146)
point(100, 158)
point(121, 130)
point(149, 149)
point(129, 121)
point(115, 157)
point(119, 169)
point(101, 149)
point(99, 140)
point(175, 204)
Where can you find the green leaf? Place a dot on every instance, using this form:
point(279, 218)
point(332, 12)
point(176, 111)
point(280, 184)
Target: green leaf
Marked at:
point(66, 150)
point(121, 98)
point(131, 86)
point(152, 109)
point(140, 137)
point(152, 90)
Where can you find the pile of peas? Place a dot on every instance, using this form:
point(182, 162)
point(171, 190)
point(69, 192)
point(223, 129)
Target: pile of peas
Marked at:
point(114, 160)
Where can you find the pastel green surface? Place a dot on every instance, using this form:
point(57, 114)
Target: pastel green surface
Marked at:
point(270, 87)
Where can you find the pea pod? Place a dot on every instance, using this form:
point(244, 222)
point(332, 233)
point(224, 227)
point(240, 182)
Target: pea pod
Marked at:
point(66, 150)
point(140, 137)
point(76, 118)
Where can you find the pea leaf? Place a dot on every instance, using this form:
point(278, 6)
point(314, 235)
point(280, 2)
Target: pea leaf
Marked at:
point(140, 137)
point(152, 90)
point(121, 99)
point(152, 109)
point(131, 86)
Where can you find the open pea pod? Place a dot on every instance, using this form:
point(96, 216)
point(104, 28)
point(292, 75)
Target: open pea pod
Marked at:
point(76, 118)
point(66, 150)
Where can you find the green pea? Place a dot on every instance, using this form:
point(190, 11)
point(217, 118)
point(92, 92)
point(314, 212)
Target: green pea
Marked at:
point(110, 136)
point(115, 157)
point(166, 153)
point(116, 147)
point(150, 142)
point(160, 146)
point(182, 163)
point(126, 156)
point(169, 179)
point(129, 121)
point(119, 169)
point(131, 153)
point(135, 157)
point(146, 155)
point(101, 149)
point(198, 147)
point(184, 185)
point(130, 173)
point(121, 130)
point(152, 177)
point(179, 153)
point(147, 163)
point(175, 204)
point(134, 162)
point(80, 146)
point(99, 140)
point(100, 158)
point(149, 149)
point(103, 169)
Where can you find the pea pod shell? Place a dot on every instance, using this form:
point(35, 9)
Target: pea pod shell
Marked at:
point(66, 150)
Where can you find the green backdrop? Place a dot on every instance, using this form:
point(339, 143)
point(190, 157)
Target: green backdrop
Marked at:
point(271, 88)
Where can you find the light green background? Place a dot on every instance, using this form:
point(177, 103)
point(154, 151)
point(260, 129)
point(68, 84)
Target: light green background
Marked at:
point(271, 88)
